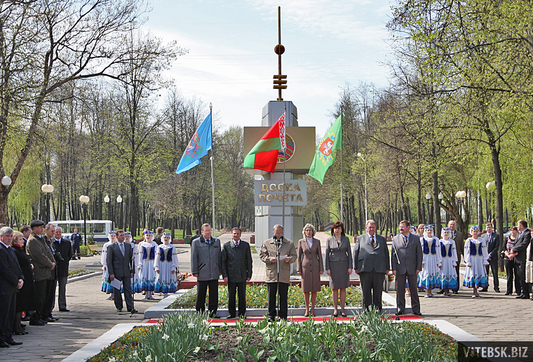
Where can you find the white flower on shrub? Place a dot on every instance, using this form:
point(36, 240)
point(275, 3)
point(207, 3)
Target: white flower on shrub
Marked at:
point(197, 349)
point(364, 329)
point(149, 358)
point(165, 337)
point(112, 359)
point(204, 337)
point(135, 354)
point(190, 325)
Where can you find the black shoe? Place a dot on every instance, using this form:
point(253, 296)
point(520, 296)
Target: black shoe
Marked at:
point(418, 314)
point(508, 293)
point(119, 310)
point(231, 316)
point(64, 310)
point(51, 319)
point(271, 319)
point(26, 318)
point(497, 290)
point(133, 311)
point(455, 292)
point(400, 313)
point(484, 290)
point(521, 296)
point(21, 333)
point(13, 343)
point(441, 292)
point(37, 322)
point(4, 344)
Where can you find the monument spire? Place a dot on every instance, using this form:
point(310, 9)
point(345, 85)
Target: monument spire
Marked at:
point(280, 81)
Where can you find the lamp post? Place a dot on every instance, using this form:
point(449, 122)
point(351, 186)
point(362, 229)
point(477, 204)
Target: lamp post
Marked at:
point(366, 194)
point(106, 200)
point(428, 197)
point(6, 182)
point(47, 189)
point(491, 186)
point(84, 201)
point(461, 195)
point(119, 201)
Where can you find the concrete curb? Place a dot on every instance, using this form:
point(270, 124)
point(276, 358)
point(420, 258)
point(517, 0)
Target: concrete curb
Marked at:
point(85, 276)
point(159, 310)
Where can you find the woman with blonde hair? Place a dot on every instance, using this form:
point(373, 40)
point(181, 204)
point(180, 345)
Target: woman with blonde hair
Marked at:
point(310, 266)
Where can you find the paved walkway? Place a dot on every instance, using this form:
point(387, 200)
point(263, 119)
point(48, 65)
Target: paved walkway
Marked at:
point(492, 317)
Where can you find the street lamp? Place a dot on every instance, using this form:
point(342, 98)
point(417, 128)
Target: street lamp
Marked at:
point(106, 200)
point(366, 194)
point(84, 201)
point(461, 195)
point(6, 181)
point(119, 201)
point(47, 189)
point(428, 197)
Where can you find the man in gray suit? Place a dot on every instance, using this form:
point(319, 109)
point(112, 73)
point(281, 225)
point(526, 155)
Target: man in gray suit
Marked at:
point(120, 266)
point(371, 262)
point(457, 236)
point(406, 263)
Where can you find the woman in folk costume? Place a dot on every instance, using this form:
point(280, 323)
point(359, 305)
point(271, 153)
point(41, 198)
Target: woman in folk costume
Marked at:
point(476, 258)
point(429, 277)
point(145, 264)
point(106, 287)
point(448, 274)
point(166, 267)
point(128, 239)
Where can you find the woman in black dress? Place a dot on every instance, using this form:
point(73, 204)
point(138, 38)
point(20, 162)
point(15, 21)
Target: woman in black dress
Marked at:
point(25, 296)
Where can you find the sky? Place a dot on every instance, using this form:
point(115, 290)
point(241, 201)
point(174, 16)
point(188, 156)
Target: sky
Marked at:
point(231, 60)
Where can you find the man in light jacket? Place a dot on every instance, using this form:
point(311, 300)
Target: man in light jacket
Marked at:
point(206, 266)
point(273, 249)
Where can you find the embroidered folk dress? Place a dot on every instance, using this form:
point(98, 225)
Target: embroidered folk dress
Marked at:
point(429, 276)
point(166, 260)
point(476, 257)
point(448, 274)
point(145, 263)
point(106, 287)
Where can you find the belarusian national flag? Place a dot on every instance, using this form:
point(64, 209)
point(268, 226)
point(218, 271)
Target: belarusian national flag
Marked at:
point(264, 155)
point(326, 151)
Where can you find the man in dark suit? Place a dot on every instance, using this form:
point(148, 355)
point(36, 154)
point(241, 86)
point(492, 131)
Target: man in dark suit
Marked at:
point(63, 249)
point(406, 264)
point(50, 297)
point(75, 238)
point(11, 279)
point(459, 239)
point(519, 251)
point(121, 267)
point(236, 271)
point(493, 246)
point(371, 262)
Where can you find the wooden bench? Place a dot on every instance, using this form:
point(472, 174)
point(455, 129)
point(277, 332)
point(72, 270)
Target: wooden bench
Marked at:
point(95, 248)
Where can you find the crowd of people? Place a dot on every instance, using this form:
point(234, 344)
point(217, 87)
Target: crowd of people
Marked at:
point(32, 266)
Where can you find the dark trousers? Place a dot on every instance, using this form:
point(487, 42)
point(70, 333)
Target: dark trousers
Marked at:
point(400, 292)
point(50, 297)
point(128, 295)
point(76, 250)
point(7, 315)
point(457, 269)
point(213, 296)
point(521, 276)
point(40, 298)
point(512, 270)
point(232, 290)
point(372, 286)
point(493, 264)
point(62, 292)
point(283, 293)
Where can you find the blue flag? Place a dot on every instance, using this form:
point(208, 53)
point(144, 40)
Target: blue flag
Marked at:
point(200, 143)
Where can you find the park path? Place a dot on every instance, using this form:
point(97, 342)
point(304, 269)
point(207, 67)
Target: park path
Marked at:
point(494, 317)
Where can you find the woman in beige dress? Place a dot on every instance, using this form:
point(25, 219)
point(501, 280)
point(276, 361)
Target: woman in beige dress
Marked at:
point(339, 264)
point(310, 266)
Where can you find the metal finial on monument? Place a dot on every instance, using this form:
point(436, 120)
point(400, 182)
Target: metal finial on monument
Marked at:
point(280, 81)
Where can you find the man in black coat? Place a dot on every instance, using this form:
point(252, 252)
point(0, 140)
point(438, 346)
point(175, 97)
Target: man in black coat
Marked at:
point(11, 280)
point(49, 300)
point(236, 271)
point(63, 250)
point(120, 265)
point(519, 251)
point(493, 246)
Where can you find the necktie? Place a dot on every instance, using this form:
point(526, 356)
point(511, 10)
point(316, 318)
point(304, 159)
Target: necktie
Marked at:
point(121, 248)
point(372, 241)
point(237, 243)
point(405, 240)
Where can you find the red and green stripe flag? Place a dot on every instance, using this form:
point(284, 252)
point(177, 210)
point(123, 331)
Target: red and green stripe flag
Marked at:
point(264, 155)
point(326, 151)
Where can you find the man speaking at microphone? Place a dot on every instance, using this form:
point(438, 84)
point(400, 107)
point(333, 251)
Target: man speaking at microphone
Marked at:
point(278, 253)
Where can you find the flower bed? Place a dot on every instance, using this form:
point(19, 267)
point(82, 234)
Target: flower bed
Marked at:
point(188, 337)
point(77, 273)
point(257, 297)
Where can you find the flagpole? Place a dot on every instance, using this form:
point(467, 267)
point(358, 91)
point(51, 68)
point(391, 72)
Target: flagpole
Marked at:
point(284, 148)
point(212, 175)
point(341, 177)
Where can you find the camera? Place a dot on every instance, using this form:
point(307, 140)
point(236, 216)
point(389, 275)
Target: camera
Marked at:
point(59, 257)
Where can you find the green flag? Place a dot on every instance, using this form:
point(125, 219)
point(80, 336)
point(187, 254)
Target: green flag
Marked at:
point(326, 151)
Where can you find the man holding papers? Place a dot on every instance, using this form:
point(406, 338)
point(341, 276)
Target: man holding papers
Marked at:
point(121, 270)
